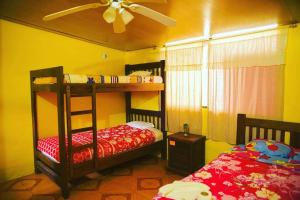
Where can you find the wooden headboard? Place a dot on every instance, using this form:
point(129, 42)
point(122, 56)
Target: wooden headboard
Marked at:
point(155, 117)
point(267, 129)
point(157, 68)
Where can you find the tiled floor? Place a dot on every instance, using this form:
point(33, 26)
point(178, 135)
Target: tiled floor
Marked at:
point(136, 180)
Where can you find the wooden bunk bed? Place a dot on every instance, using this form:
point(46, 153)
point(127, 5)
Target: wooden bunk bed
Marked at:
point(65, 170)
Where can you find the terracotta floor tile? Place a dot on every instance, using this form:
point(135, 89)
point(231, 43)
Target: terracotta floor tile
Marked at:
point(149, 183)
point(149, 170)
point(116, 196)
point(45, 197)
point(86, 184)
point(13, 195)
point(46, 186)
point(118, 184)
point(84, 195)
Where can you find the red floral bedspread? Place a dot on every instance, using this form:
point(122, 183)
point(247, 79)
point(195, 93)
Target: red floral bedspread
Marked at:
point(110, 141)
point(238, 176)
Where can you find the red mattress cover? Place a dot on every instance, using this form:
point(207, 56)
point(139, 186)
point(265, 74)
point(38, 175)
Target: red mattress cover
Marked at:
point(237, 176)
point(110, 141)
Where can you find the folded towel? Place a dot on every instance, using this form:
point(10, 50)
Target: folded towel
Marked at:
point(76, 78)
point(179, 190)
point(124, 79)
point(153, 79)
point(45, 80)
point(136, 79)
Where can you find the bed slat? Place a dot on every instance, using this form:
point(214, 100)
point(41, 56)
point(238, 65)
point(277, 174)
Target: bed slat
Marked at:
point(82, 112)
point(273, 134)
point(265, 133)
point(257, 132)
point(282, 136)
point(90, 128)
point(250, 133)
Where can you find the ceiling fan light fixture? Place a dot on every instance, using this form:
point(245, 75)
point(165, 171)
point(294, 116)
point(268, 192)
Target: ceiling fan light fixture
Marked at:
point(110, 14)
point(126, 16)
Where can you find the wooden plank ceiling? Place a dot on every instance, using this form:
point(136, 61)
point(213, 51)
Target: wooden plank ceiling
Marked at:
point(194, 18)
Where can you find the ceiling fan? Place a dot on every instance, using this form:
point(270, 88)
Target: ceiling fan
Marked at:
point(118, 14)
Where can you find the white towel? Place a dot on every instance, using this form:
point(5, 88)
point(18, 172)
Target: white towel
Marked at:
point(76, 78)
point(179, 190)
point(124, 79)
point(153, 79)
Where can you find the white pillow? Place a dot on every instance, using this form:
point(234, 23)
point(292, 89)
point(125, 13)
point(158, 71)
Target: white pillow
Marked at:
point(140, 73)
point(140, 124)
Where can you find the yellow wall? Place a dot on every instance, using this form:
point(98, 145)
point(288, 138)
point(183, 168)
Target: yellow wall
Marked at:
point(24, 49)
point(292, 77)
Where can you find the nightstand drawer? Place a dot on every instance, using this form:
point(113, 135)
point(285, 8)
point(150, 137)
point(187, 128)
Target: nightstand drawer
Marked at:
point(179, 154)
point(186, 153)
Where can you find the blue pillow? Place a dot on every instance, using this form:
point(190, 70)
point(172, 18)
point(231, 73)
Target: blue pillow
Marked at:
point(270, 148)
point(296, 158)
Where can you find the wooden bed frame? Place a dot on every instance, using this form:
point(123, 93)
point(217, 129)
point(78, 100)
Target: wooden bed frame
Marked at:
point(275, 130)
point(65, 171)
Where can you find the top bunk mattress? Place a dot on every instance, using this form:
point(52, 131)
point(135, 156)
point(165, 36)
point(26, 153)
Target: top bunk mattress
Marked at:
point(78, 78)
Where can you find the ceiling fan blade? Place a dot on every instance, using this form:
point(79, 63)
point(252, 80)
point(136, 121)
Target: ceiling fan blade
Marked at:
point(109, 14)
point(148, 1)
point(163, 19)
point(73, 10)
point(119, 25)
point(126, 16)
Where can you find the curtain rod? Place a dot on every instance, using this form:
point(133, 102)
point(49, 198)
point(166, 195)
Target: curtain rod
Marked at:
point(210, 38)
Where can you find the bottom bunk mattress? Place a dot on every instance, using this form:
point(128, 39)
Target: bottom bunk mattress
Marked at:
point(238, 176)
point(110, 141)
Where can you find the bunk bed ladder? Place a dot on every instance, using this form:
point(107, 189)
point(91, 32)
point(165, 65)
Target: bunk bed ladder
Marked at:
point(70, 131)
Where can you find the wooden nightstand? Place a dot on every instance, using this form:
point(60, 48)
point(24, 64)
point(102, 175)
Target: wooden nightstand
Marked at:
point(186, 153)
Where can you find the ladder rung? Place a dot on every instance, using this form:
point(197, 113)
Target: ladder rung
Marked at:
point(81, 130)
point(79, 148)
point(82, 112)
point(81, 95)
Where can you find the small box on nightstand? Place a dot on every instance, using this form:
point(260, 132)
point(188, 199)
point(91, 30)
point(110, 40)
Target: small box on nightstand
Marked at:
point(186, 153)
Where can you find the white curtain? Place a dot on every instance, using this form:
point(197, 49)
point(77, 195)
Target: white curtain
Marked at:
point(183, 87)
point(246, 75)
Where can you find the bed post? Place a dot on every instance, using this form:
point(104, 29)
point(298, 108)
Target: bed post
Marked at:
point(127, 96)
point(34, 121)
point(61, 133)
point(163, 110)
point(157, 68)
point(241, 129)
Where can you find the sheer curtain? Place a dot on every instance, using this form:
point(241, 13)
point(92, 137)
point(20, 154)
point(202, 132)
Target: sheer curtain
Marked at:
point(246, 75)
point(183, 88)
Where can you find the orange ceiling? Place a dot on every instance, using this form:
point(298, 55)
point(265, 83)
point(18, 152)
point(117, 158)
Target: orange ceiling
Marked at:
point(194, 18)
